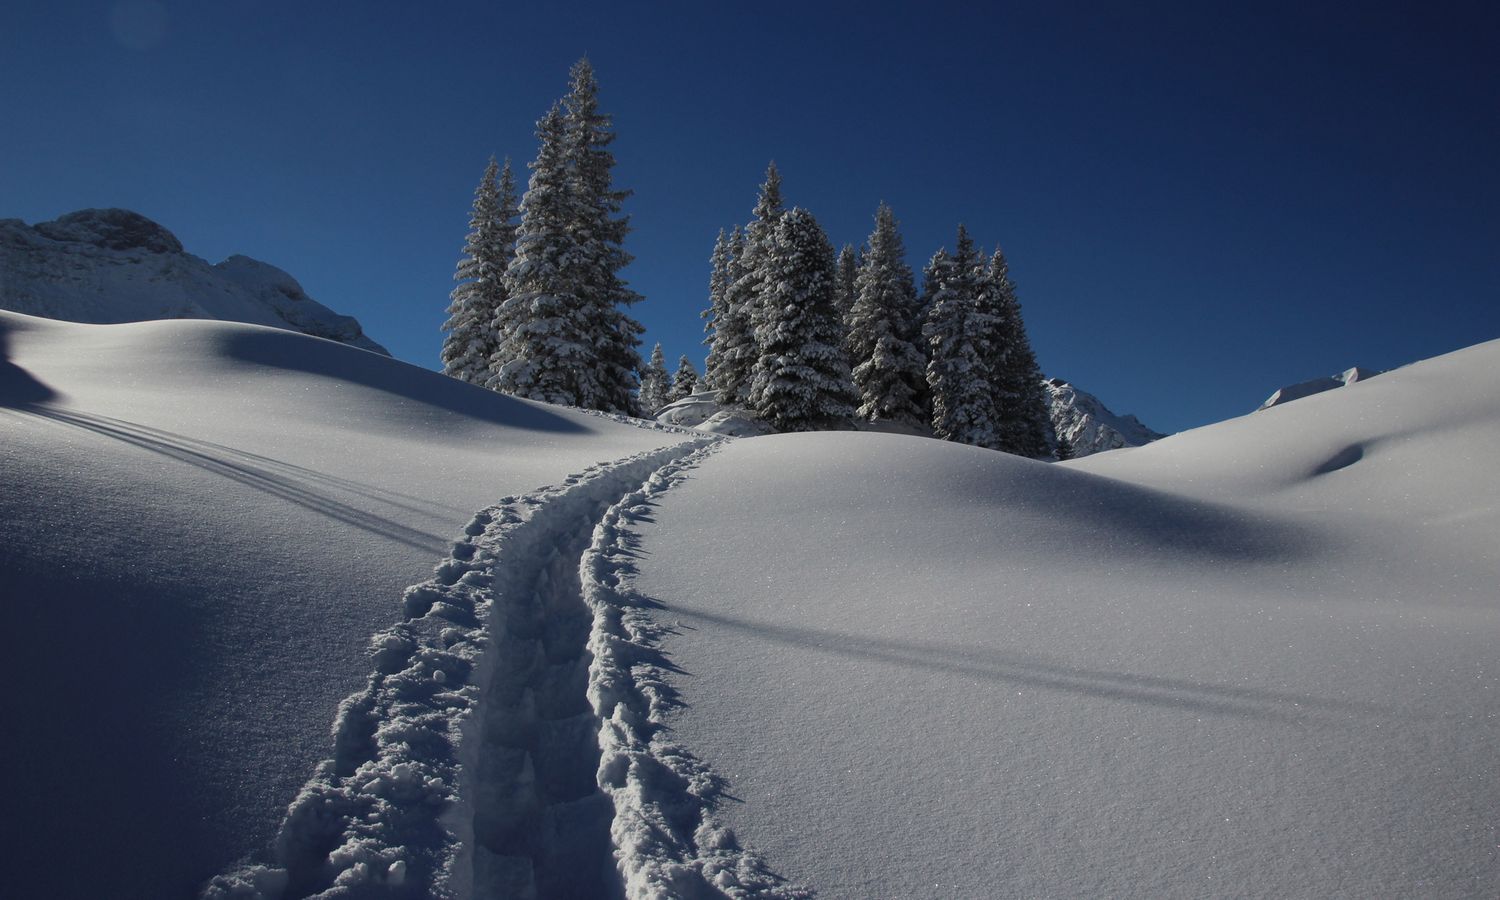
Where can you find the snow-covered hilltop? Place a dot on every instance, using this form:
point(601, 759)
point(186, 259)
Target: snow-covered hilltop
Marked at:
point(1088, 424)
point(107, 266)
point(1077, 415)
point(1317, 386)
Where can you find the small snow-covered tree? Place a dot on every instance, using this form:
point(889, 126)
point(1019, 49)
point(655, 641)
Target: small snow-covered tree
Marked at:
point(1023, 423)
point(745, 296)
point(656, 383)
point(547, 347)
point(801, 377)
point(1064, 451)
point(957, 332)
point(472, 333)
point(684, 382)
point(890, 368)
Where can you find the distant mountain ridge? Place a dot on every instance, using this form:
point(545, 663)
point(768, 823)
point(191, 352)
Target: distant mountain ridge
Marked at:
point(1088, 424)
point(107, 266)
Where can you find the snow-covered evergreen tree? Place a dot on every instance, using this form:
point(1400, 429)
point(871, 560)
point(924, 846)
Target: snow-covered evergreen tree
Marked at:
point(957, 332)
point(801, 377)
point(744, 299)
point(565, 337)
point(1064, 451)
point(890, 368)
point(848, 271)
point(721, 323)
point(600, 233)
point(685, 381)
point(656, 383)
point(547, 348)
point(1024, 426)
point(472, 334)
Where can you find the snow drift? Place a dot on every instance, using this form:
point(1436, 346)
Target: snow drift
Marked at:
point(1255, 658)
point(201, 526)
point(1317, 386)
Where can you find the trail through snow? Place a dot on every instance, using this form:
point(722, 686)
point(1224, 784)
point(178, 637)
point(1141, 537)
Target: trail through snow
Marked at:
point(473, 764)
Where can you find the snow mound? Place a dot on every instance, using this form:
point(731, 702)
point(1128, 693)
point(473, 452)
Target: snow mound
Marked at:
point(214, 518)
point(1253, 658)
point(702, 412)
point(1078, 415)
point(1317, 386)
point(107, 266)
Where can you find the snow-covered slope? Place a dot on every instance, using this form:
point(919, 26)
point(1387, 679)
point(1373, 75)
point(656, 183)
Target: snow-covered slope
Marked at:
point(1254, 659)
point(112, 265)
point(1088, 424)
point(1317, 386)
point(201, 526)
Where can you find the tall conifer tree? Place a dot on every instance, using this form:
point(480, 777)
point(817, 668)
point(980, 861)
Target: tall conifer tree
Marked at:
point(746, 295)
point(601, 229)
point(889, 366)
point(472, 331)
point(1024, 426)
point(721, 323)
point(957, 332)
point(565, 337)
point(848, 271)
point(801, 377)
point(548, 348)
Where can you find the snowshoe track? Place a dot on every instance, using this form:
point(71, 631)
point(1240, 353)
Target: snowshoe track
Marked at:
point(471, 765)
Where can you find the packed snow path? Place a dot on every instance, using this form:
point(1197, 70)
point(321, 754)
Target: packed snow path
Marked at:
point(474, 763)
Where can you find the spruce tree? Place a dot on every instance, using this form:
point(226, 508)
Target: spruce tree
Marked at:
point(1064, 451)
point(472, 333)
point(848, 271)
point(721, 323)
point(684, 382)
point(957, 332)
point(656, 383)
point(1024, 426)
point(547, 343)
point(600, 229)
point(801, 377)
point(889, 366)
point(744, 299)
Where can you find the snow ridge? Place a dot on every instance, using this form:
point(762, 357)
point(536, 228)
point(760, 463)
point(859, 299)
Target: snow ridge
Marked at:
point(667, 840)
point(471, 751)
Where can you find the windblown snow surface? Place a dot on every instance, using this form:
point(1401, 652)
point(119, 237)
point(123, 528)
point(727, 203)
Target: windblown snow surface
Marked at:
point(290, 619)
point(202, 525)
point(1254, 659)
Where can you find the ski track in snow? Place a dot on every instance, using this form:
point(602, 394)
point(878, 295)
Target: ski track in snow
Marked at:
point(509, 741)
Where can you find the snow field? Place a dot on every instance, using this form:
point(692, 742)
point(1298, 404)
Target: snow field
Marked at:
point(466, 767)
point(209, 520)
point(669, 842)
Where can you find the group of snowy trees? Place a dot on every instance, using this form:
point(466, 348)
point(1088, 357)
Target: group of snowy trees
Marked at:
point(539, 309)
point(660, 387)
point(803, 339)
point(809, 341)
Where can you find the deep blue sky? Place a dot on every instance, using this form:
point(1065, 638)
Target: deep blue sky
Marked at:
point(1201, 201)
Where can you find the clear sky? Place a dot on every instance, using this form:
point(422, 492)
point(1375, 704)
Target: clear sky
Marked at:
point(1201, 201)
